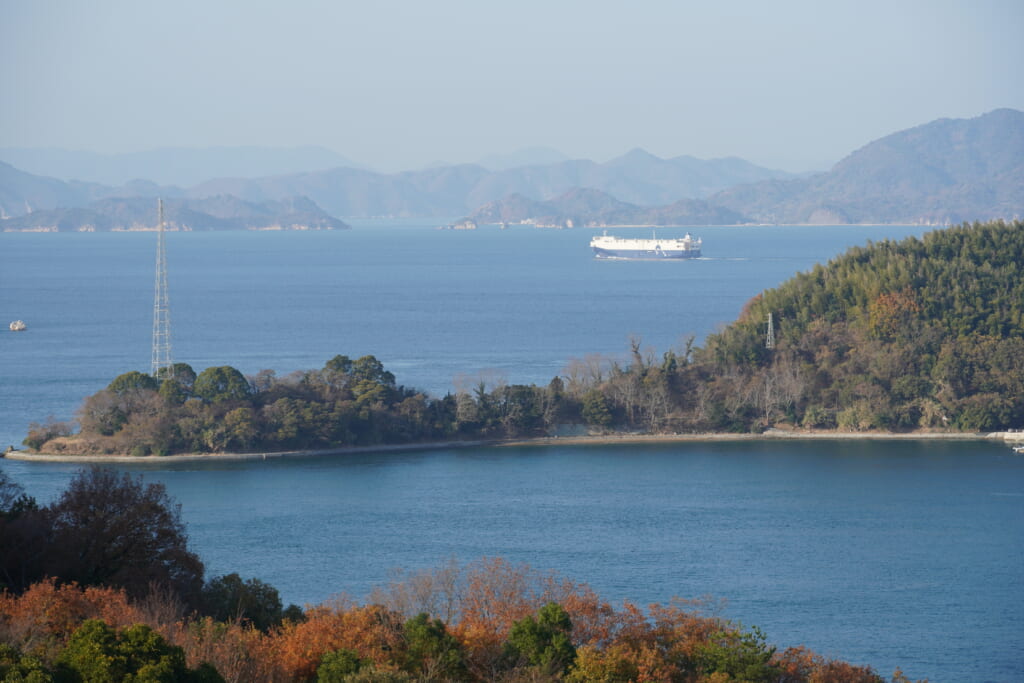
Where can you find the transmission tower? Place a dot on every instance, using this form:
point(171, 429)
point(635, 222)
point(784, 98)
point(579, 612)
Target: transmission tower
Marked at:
point(769, 342)
point(161, 364)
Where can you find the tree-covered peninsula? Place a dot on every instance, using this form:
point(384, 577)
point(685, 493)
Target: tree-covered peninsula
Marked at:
point(921, 334)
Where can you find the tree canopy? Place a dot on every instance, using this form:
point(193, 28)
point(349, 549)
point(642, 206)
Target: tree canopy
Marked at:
point(117, 531)
point(105, 529)
point(220, 384)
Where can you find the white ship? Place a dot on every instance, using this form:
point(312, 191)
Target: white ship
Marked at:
point(18, 326)
point(609, 247)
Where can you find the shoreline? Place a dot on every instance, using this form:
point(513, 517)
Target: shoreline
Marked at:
point(538, 442)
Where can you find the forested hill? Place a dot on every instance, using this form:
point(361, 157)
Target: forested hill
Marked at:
point(963, 281)
point(920, 333)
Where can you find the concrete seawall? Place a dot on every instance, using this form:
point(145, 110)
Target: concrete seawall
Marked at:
point(1013, 435)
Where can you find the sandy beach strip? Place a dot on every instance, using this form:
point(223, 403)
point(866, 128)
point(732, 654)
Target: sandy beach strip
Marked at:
point(595, 440)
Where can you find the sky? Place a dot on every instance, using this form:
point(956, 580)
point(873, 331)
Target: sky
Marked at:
point(395, 85)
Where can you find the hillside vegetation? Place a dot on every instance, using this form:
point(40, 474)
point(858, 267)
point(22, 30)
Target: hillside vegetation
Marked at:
point(897, 335)
point(919, 334)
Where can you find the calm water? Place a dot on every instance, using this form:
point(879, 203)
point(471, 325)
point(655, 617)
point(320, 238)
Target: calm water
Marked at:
point(886, 554)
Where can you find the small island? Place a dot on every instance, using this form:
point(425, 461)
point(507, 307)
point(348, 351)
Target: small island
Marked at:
point(918, 336)
point(135, 214)
point(589, 208)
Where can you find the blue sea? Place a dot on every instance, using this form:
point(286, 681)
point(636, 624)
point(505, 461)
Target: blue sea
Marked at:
point(888, 553)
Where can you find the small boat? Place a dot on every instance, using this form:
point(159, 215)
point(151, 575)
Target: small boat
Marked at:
point(1018, 449)
point(18, 326)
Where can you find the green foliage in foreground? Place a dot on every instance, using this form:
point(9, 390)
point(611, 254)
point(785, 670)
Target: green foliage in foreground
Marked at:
point(230, 598)
point(919, 334)
point(743, 655)
point(338, 665)
point(98, 653)
point(432, 653)
point(544, 641)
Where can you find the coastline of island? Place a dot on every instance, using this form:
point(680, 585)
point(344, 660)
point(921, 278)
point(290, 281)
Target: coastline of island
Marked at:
point(539, 442)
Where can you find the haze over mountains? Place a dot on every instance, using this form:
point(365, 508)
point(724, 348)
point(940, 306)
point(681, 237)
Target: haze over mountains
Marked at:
point(182, 166)
point(530, 156)
point(946, 171)
point(636, 177)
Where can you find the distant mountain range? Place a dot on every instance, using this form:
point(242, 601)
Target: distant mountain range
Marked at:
point(22, 193)
point(182, 166)
point(637, 177)
point(946, 171)
point(212, 213)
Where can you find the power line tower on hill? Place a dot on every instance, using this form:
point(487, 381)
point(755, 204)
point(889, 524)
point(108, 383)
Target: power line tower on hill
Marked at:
point(769, 342)
point(161, 363)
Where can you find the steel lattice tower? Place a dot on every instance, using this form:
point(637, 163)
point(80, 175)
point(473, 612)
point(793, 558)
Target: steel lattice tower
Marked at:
point(161, 364)
point(769, 342)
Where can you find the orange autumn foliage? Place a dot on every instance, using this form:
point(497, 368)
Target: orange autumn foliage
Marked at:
point(619, 662)
point(648, 647)
point(679, 631)
point(239, 652)
point(40, 620)
point(659, 644)
point(372, 631)
point(889, 312)
point(800, 665)
point(495, 594)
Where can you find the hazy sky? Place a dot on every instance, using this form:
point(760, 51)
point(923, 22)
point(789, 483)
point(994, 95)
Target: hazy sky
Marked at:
point(792, 85)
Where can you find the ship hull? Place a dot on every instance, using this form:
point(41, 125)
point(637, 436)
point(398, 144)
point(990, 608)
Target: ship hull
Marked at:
point(646, 254)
